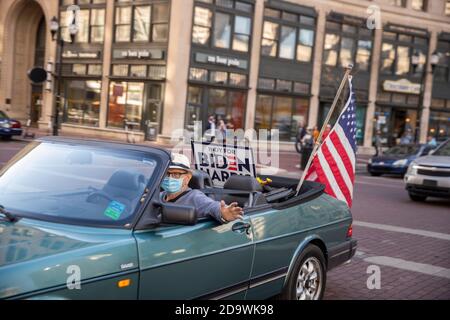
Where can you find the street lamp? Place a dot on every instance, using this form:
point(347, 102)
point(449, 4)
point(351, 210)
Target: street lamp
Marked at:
point(55, 30)
point(415, 62)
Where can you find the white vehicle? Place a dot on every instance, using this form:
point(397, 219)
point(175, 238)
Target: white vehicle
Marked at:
point(429, 176)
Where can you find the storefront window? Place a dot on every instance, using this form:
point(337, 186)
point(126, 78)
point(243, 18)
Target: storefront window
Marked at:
point(82, 102)
point(263, 112)
point(439, 126)
point(282, 113)
point(126, 103)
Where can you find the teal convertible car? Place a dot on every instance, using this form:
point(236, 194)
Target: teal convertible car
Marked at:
point(83, 220)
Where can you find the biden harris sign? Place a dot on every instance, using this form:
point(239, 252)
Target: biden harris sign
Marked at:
point(222, 161)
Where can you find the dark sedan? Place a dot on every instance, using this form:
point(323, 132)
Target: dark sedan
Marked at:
point(9, 127)
point(397, 159)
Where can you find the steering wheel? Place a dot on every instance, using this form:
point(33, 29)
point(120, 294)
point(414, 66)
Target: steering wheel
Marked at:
point(96, 195)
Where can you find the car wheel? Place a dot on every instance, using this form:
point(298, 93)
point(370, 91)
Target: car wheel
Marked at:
point(417, 198)
point(308, 278)
point(6, 138)
point(375, 174)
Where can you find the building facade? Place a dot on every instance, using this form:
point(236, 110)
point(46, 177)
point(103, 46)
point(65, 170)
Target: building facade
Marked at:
point(155, 66)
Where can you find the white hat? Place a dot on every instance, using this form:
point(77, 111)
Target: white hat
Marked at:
point(180, 161)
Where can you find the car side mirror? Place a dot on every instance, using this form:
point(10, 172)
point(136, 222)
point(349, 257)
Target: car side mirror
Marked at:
point(176, 214)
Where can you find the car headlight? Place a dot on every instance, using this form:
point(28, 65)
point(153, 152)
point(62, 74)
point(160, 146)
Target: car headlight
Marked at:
point(5, 125)
point(400, 163)
point(412, 169)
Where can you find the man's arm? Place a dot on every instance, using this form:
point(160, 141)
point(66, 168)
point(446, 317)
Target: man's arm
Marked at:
point(205, 207)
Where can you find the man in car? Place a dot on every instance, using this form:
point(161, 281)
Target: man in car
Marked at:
point(176, 190)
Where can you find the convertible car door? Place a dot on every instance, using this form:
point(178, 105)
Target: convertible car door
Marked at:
point(206, 260)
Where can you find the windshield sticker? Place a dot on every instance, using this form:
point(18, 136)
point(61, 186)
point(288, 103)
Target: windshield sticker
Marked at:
point(114, 210)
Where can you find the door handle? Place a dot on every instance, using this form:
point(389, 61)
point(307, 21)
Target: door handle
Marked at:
point(241, 227)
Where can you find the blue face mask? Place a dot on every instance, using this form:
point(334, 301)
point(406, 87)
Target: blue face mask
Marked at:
point(172, 185)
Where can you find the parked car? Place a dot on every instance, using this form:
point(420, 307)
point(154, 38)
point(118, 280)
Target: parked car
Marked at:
point(397, 159)
point(9, 127)
point(429, 176)
point(87, 210)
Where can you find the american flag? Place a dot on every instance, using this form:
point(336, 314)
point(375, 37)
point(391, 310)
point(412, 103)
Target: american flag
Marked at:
point(334, 162)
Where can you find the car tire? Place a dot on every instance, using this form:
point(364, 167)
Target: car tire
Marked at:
point(417, 198)
point(308, 278)
point(375, 174)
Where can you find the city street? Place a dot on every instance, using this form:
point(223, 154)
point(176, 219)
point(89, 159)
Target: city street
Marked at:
point(409, 242)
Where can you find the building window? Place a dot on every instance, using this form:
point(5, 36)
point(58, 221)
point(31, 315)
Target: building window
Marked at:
point(287, 42)
point(222, 30)
point(226, 30)
point(282, 113)
point(305, 45)
point(330, 51)
point(91, 27)
point(82, 102)
point(218, 77)
point(398, 3)
point(242, 31)
point(141, 23)
point(397, 50)
point(287, 35)
point(346, 44)
point(270, 39)
point(442, 69)
point(202, 25)
point(126, 102)
point(447, 7)
point(419, 5)
point(363, 54)
point(439, 126)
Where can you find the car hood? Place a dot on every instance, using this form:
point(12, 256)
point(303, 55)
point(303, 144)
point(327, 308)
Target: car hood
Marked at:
point(431, 160)
point(392, 158)
point(36, 255)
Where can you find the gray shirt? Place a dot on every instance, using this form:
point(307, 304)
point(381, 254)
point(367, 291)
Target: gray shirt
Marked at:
point(204, 206)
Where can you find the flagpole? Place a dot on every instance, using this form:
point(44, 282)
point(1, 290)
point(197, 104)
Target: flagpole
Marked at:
point(318, 142)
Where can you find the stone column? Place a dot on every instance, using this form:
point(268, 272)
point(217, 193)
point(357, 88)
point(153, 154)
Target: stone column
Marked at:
point(317, 67)
point(428, 89)
point(177, 67)
point(254, 64)
point(107, 48)
point(373, 88)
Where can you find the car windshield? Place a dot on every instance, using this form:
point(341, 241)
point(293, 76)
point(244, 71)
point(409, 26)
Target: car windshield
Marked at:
point(3, 115)
point(443, 150)
point(402, 150)
point(75, 184)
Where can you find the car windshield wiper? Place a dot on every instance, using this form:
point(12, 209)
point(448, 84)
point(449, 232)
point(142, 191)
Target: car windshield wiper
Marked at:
point(11, 217)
